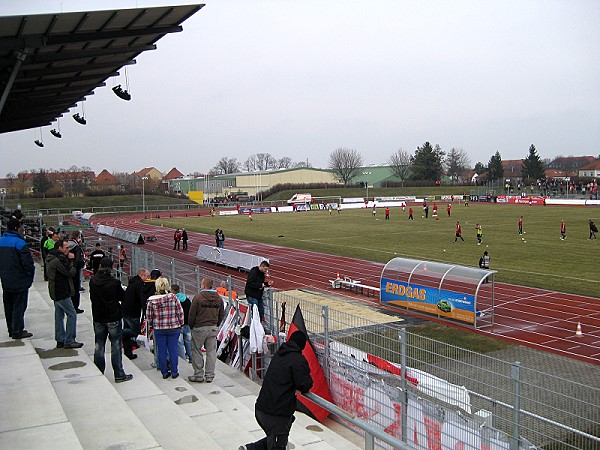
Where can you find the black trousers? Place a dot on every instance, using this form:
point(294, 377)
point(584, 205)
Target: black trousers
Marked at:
point(277, 430)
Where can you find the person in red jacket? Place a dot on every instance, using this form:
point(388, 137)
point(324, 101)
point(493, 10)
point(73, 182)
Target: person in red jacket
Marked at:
point(458, 233)
point(410, 214)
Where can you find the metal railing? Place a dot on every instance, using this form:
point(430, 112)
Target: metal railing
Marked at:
point(548, 401)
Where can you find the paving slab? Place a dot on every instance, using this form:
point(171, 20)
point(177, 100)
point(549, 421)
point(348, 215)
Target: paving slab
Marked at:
point(58, 436)
point(178, 432)
point(229, 436)
point(28, 399)
point(100, 417)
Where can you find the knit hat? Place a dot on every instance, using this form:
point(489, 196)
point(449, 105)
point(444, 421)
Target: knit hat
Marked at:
point(299, 338)
point(155, 274)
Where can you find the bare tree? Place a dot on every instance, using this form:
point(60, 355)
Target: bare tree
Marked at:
point(345, 163)
point(457, 163)
point(399, 163)
point(284, 163)
point(302, 164)
point(265, 161)
point(250, 163)
point(225, 166)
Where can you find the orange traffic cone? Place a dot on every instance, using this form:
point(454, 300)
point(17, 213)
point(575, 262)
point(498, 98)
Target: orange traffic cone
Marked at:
point(578, 332)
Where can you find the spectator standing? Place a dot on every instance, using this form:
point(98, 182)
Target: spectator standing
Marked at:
point(176, 239)
point(484, 263)
point(106, 295)
point(255, 285)
point(220, 238)
point(122, 259)
point(79, 263)
point(184, 238)
point(96, 256)
point(185, 343)
point(44, 250)
point(288, 372)
point(206, 314)
point(165, 314)
point(563, 230)
point(133, 305)
point(61, 271)
point(16, 272)
point(222, 291)
point(520, 224)
point(458, 233)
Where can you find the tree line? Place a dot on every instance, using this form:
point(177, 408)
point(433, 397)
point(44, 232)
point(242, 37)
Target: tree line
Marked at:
point(431, 163)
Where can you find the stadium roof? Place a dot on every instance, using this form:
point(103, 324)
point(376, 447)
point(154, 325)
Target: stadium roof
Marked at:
point(50, 62)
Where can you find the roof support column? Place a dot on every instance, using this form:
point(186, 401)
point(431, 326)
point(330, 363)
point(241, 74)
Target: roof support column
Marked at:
point(21, 55)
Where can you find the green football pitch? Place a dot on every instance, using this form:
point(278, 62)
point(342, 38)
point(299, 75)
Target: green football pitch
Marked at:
point(538, 258)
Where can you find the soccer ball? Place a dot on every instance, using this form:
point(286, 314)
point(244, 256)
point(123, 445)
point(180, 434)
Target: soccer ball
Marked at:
point(524, 242)
point(444, 249)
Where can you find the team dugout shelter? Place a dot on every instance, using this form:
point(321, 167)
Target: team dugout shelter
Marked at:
point(447, 291)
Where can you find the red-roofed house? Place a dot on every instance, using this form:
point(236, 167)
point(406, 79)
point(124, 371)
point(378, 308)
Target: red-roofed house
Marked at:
point(150, 172)
point(591, 170)
point(171, 175)
point(106, 180)
point(570, 163)
point(512, 168)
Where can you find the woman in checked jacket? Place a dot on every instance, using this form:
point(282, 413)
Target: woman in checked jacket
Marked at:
point(165, 315)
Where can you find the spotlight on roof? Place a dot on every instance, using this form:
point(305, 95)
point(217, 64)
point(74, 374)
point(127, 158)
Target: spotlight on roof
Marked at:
point(79, 119)
point(121, 93)
point(39, 143)
point(54, 132)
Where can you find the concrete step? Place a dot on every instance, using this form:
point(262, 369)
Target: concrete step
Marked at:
point(230, 398)
point(57, 397)
point(138, 412)
point(31, 415)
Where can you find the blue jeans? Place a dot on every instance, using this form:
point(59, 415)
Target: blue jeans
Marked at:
point(131, 330)
point(185, 344)
point(64, 308)
point(15, 304)
point(259, 302)
point(167, 341)
point(114, 331)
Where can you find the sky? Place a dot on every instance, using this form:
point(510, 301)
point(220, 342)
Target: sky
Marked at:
point(303, 78)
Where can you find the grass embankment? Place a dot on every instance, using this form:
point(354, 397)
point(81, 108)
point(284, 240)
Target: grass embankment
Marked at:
point(83, 203)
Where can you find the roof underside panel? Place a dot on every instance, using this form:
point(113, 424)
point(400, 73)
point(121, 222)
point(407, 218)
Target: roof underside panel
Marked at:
point(59, 59)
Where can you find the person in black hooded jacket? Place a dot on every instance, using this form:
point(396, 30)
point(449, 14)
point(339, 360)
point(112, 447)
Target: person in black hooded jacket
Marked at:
point(288, 372)
point(106, 295)
point(133, 305)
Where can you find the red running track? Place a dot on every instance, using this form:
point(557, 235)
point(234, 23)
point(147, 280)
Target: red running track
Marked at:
point(541, 319)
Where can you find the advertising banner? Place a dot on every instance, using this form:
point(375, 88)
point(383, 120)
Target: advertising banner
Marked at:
point(513, 199)
point(440, 302)
point(366, 391)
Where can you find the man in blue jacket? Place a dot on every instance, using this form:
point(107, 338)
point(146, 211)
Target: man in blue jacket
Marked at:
point(16, 272)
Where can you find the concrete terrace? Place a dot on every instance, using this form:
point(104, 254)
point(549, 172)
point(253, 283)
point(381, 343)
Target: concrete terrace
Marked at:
point(57, 399)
